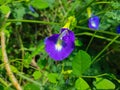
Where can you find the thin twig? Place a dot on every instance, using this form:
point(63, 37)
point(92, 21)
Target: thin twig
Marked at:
point(30, 80)
point(22, 50)
point(3, 82)
point(5, 57)
point(90, 42)
point(101, 52)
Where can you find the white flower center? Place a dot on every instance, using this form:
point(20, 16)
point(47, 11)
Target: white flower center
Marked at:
point(58, 47)
point(93, 24)
point(63, 34)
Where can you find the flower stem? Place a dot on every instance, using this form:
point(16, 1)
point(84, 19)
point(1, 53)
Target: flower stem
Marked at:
point(100, 31)
point(103, 2)
point(5, 57)
point(30, 80)
point(3, 82)
point(22, 50)
point(84, 9)
point(104, 49)
point(97, 76)
point(32, 21)
point(97, 36)
point(90, 41)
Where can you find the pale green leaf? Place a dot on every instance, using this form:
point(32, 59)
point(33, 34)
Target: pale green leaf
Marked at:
point(14, 69)
point(39, 4)
point(78, 42)
point(81, 63)
point(37, 74)
point(81, 84)
point(4, 9)
point(28, 57)
point(31, 86)
point(103, 84)
point(52, 77)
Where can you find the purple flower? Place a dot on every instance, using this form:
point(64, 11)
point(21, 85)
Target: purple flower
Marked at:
point(118, 29)
point(31, 9)
point(59, 46)
point(94, 22)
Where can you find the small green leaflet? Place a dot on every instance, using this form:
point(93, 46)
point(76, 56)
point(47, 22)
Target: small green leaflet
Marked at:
point(37, 75)
point(52, 77)
point(39, 4)
point(104, 84)
point(81, 84)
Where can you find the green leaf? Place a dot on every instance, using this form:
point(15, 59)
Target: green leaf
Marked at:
point(52, 77)
point(2, 2)
point(28, 57)
point(1, 87)
point(78, 43)
point(41, 63)
point(39, 4)
point(19, 12)
point(81, 84)
point(31, 86)
point(8, 88)
point(14, 69)
point(37, 75)
point(115, 4)
point(4, 9)
point(50, 2)
point(81, 63)
point(33, 14)
point(102, 84)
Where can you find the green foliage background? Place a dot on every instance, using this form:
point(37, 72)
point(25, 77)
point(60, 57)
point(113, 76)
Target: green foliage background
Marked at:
point(93, 65)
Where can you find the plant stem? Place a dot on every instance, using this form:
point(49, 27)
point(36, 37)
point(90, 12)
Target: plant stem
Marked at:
point(103, 2)
point(22, 50)
point(97, 76)
point(84, 9)
point(101, 31)
point(30, 80)
point(3, 82)
point(91, 40)
point(97, 36)
point(31, 21)
point(5, 57)
point(53, 23)
point(104, 49)
point(104, 55)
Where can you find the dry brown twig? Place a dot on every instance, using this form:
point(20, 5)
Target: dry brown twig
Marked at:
point(5, 57)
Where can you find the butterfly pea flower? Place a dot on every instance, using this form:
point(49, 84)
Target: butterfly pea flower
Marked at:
point(60, 46)
point(118, 29)
point(31, 9)
point(93, 22)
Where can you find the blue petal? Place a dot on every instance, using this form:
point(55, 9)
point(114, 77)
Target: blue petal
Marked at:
point(118, 29)
point(65, 51)
point(94, 22)
point(32, 9)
